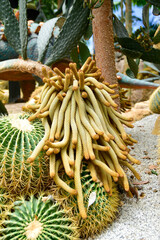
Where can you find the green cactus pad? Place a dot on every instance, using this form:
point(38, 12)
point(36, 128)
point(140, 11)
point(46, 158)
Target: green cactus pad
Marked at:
point(103, 209)
point(18, 138)
point(38, 219)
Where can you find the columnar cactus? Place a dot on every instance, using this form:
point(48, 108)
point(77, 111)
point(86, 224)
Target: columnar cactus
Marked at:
point(18, 138)
point(38, 219)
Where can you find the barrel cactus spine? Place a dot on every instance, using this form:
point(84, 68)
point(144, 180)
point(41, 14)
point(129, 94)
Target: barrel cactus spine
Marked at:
point(18, 138)
point(6, 203)
point(102, 207)
point(38, 218)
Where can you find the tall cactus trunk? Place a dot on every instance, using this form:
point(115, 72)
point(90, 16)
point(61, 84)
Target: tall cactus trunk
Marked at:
point(104, 41)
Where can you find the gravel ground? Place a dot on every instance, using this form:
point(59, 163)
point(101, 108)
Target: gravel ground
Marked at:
point(139, 219)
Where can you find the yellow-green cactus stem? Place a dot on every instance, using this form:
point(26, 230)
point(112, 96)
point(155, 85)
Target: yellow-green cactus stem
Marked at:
point(18, 138)
point(154, 101)
point(38, 219)
point(101, 206)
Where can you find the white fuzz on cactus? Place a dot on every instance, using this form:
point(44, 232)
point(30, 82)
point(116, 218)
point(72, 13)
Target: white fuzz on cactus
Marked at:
point(36, 219)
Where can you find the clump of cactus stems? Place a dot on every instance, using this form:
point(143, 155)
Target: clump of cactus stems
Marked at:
point(101, 206)
point(38, 219)
point(81, 122)
point(125, 102)
point(18, 138)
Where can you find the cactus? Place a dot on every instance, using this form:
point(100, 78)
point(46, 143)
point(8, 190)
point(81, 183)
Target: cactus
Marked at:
point(6, 203)
point(3, 110)
point(125, 102)
point(154, 101)
point(154, 106)
point(38, 219)
point(103, 208)
point(81, 122)
point(18, 138)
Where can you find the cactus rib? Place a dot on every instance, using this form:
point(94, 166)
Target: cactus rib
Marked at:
point(18, 138)
point(37, 219)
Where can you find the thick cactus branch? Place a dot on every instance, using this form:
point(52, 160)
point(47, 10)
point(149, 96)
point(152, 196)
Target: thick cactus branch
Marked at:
point(25, 66)
point(127, 82)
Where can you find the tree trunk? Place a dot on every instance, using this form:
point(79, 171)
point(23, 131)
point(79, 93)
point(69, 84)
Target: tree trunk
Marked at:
point(59, 3)
point(128, 16)
point(104, 41)
point(122, 15)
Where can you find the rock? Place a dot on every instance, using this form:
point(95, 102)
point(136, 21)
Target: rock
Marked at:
point(14, 108)
point(139, 111)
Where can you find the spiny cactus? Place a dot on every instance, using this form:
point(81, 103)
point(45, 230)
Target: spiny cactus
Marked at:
point(154, 101)
point(6, 203)
point(18, 138)
point(38, 219)
point(103, 208)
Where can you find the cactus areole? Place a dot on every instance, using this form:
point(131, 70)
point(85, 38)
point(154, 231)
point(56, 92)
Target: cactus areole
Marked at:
point(36, 219)
point(34, 229)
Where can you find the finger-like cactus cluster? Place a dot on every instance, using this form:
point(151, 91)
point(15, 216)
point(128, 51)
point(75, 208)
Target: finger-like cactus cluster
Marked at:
point(101, 206)
point(38, 219)
point(18, 138)
point(125, 102)
point(81, 122)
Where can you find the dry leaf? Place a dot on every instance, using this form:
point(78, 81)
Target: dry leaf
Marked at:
point(140, 183)
point(146, 157)
point(153, 167)
point(142, 195)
